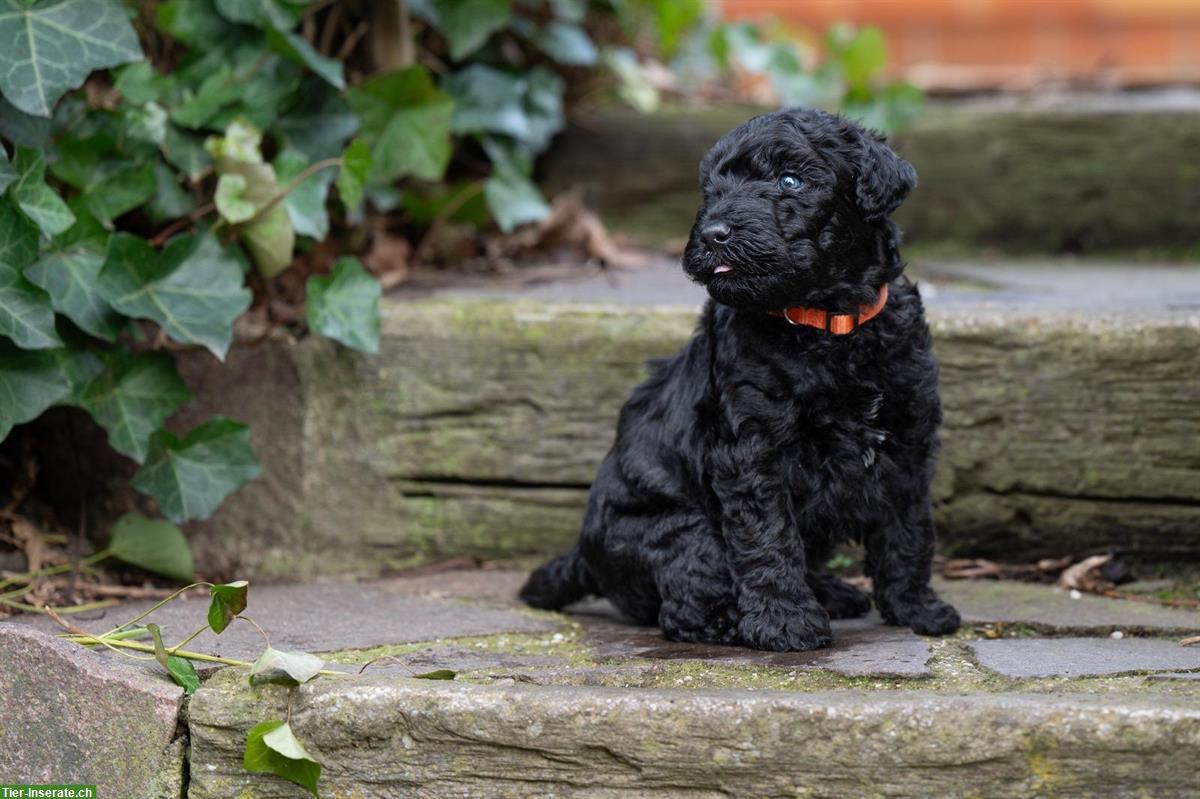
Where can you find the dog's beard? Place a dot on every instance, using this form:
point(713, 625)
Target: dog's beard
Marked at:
point(750, 277)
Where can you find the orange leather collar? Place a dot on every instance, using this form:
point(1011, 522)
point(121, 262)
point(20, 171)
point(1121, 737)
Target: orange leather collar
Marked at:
point(838, 324)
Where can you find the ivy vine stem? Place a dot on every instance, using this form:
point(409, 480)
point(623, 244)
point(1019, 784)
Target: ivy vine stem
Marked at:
point(146, 613)
point(294, 184)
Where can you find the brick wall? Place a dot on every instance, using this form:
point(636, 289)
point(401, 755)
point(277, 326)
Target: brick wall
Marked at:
point(968, 44)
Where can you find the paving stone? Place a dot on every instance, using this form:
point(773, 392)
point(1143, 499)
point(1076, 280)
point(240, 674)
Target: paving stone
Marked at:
point(68, 715)
point(861, 648)
point(1082, 657)
point(324, 617)
point(1052, 609)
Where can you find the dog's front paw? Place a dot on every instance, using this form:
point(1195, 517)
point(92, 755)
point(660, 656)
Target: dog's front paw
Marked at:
point(926, 614)
point(786, 630)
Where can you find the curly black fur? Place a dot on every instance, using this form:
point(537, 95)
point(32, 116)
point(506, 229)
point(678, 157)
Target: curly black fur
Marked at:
point(744, 458)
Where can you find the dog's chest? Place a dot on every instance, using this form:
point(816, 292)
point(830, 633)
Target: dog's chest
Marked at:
point(841, 434)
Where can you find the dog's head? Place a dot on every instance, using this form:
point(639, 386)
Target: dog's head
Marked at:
point(795, 213)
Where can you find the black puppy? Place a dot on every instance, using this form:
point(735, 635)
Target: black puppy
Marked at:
point(803, 412)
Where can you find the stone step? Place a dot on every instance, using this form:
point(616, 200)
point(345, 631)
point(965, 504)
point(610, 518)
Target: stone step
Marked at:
point(1091, 176)
point(1072, 398)
point(581, 704)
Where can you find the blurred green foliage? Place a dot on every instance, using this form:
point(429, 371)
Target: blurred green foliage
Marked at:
point(844, 70)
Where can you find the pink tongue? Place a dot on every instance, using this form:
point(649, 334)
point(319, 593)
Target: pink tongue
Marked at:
point(722, 268)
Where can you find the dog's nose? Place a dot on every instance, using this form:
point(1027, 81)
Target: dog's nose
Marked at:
point(716, 233)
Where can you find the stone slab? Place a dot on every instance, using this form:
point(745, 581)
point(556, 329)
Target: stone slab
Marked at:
point(68, 715)
point(323, 617)
point(861, 648)
point(388, 737)
point(1075, 179)
point(1082, 657)
point(1051, 609)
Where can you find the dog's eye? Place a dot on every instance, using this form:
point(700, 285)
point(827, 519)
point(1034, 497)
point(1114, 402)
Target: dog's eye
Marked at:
point(789, 182)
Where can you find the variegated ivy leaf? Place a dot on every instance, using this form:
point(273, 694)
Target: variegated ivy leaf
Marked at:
point(268, 232)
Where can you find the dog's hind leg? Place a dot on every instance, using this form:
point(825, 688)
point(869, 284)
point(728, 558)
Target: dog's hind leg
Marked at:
point(839, 598)
point(699, 603)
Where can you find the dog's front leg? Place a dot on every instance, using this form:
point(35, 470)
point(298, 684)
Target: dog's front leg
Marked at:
point(900, 562)
point(778, 610)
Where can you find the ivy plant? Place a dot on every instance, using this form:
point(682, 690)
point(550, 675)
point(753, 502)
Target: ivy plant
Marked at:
point(272, 746)
point(162, 163)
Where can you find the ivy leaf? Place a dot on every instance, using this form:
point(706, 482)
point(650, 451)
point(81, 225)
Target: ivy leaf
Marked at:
point(170, 201)
point(319, 123)
point(467, 24)
point(863, 53)
point(513, 199)
point(344, 305)
point(8, 173)
point(511, 196)
point(526, 106)
point(196, 23)
point(272, 748)
point(405, 123)
point(132, 397)
point(141, 83)
point(21, 128)
point(79, 367)
point(220, 89)
point(228, 600)
point(181, 670)
point(185, 152)
point(299, 666)
point(183, 673)
point(26, 315)
point(352, 177)
point(193, 289)
point(160, 651)
point(270, 237)
point(26, 309)
point(271, 240)
point(120, 192)
point(154, 545)
point(230, 199)
point(68, 271)
point(36, 200)
point(191, 476)
point(305, 203)
point(256, 12)
point(18, 237)
point(50, 47)
point(146, 123)
point(30, 382)
point(297, 49)
point(567, 44)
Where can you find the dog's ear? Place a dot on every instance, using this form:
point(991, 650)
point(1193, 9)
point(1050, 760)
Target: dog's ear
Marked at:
point(884, 178)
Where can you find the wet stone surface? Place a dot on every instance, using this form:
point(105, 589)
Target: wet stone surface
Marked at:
point(1082, 657)
point(861, 647)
